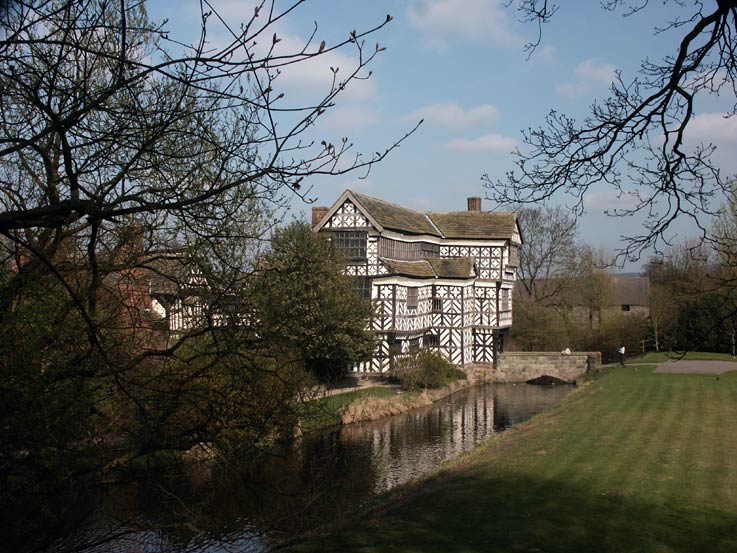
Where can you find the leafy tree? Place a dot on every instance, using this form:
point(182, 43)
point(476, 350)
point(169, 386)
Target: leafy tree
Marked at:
point(540, 326)
point(663, 314)
point(616, 329)
point(306, 305)
point(425, 369)
point(633, 141)
point(700, 325)
point(689, 306)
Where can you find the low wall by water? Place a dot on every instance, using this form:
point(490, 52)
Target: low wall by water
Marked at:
point(521, 366)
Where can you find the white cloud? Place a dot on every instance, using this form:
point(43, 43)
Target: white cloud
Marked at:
point(452, 115)
point(350, 117)
point(234, 12)
point(481, 20)
point(488, 143)
point(314, 75)
point(609, 199)
point(589, 75)
point(547, 53)
point(309, 77)
point(357, 185)
point(713, 128)
point(716, 129)
point(421, 203)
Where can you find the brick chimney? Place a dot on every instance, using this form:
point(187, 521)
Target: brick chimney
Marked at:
point(474, 203)
point(318, 212)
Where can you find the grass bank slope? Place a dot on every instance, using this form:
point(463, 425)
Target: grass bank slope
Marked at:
point(634, 462)
point(666, 356)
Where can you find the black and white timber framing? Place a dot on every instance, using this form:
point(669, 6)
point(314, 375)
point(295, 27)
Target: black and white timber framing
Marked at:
point(438, 280)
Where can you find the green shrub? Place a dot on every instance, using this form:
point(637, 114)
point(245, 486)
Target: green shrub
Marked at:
point(424, 369)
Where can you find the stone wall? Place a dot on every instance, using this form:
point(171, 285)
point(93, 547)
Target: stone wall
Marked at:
point(521, 366)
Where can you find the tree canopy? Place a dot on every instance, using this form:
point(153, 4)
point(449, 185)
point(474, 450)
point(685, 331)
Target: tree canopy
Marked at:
point(309, 307)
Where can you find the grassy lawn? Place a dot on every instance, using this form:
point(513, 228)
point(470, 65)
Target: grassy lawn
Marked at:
point(324, 412)
point(633, 462)
point(665, 356)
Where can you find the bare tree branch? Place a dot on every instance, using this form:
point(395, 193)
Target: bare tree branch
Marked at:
point(633, 141)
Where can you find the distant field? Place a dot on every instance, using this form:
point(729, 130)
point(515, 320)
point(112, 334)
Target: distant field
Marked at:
point(664, 356)
point(635, 462)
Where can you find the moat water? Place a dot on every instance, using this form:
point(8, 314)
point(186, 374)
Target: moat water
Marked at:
point(327, 477)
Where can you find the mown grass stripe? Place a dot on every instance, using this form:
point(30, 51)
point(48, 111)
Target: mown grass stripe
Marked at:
point(712, 442)
point(720, 462)
point(576, 462)
point(727, 426)
point(633, 422)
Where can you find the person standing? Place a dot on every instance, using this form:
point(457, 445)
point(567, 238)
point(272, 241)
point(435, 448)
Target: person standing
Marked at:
point(621, 354)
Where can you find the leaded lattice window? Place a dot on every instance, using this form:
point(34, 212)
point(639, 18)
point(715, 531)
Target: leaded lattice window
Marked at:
point(513, 256)
point(411, 298)
point(407, 251)
point(504, 299)
point(362, 286)
point(350, 243)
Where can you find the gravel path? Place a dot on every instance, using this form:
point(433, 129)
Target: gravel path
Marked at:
point(683, 366)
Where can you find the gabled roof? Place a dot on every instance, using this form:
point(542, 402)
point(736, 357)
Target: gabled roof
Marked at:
point(454, 224)
point(167, 275)
point(459, 267)
point(475, 224)
point(395, 217)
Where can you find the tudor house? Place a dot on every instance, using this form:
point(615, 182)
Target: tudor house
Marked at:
point(438, 280)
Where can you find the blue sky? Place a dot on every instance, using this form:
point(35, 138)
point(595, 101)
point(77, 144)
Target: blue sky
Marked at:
point(460, 65)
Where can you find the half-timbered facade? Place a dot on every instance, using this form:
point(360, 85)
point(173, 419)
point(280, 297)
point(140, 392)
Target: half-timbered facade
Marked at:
point(438, 280)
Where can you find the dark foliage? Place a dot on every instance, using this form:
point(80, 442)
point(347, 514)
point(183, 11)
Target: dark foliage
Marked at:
point(424, 369)
point(307, 308)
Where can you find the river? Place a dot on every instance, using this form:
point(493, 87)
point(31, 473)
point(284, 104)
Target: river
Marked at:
point(329, 476)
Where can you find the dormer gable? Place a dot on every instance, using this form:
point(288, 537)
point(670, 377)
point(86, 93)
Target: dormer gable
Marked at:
point(346, 213)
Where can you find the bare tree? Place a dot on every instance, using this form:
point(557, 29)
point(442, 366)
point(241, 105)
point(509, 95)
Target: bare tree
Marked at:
point(549, 252)
point(634, 140)
point(593, 283)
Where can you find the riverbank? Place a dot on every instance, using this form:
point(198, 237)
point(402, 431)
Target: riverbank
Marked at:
point(635, 461)
point(369, 399)
point(373, 400)
point(371, 408)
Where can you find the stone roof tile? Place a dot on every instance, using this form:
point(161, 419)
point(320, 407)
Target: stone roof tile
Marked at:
point(395, 217)
point(475, 224)
point(417, 269)
point(458, 267)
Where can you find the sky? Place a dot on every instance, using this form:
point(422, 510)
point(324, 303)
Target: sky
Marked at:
point(461, 66)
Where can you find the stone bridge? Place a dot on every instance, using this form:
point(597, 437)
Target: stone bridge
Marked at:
point(521, 366)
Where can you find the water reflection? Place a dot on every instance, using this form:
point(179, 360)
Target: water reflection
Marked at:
point(327, 477)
